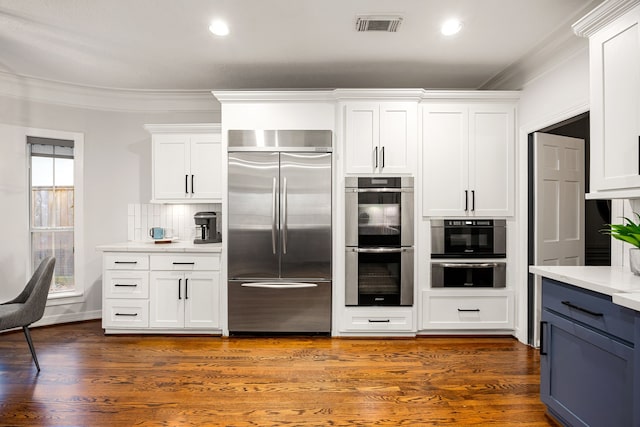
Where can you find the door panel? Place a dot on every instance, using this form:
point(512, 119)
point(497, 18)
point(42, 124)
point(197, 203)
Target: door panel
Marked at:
point(253, 215)
point(305, 215)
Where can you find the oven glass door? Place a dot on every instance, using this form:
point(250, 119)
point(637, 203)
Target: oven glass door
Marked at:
point(379, 218)
point(468, 240)
point(379, 279)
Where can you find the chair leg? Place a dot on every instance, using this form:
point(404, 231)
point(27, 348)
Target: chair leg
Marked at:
point(27, 335)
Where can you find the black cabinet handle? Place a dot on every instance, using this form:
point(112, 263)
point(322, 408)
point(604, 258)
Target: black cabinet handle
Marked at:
point(126, 262)
point(475, 310)
point(543, 352)
point(584, 310)
point(127, 314)
point(473, 200)
point(192, 184)
point(186, 184)
point(186, 288)
point(125, 285)
point(382, 152)
point(179, 286)
point(184, 263)
point(379, 321)
point(466, 200)
point(376, 152)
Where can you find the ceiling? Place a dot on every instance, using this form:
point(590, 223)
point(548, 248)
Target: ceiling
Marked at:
point(275, 44)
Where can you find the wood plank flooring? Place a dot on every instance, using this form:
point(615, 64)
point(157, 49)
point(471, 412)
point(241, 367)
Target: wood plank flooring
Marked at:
point(89, 379)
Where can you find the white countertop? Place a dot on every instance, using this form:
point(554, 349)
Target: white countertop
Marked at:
point(620, 284)
point(176, 246)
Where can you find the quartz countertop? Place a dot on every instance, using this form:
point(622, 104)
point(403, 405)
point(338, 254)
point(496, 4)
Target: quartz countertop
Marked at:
point(620, 284)
point(149, 246)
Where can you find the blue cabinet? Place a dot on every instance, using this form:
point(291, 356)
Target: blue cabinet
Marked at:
point(587, 356)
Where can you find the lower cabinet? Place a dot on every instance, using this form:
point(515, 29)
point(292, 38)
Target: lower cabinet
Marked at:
point(587, 358)
point(462, 309)
point(167, 293)
point(378, 320)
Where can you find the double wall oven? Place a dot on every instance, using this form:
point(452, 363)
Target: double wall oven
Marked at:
point(468, 253)
point(379, 241)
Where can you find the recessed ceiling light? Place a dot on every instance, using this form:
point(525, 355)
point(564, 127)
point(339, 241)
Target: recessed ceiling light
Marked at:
point(219, 28)
point(451, 27)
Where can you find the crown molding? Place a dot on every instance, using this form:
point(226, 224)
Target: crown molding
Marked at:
point(239, 96)
point(184, 128)
point(380, 93)
point(602, 15)
point(480, 95)
point(96, 98)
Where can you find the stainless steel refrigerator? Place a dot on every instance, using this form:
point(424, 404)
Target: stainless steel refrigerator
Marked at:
point(279, 231)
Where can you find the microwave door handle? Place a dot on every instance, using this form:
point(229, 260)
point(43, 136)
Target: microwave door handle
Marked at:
point(379, 250)
point(468, 265)
point(274, 208)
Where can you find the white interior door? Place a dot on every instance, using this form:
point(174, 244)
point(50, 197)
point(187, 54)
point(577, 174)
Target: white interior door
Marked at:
point(559, 205)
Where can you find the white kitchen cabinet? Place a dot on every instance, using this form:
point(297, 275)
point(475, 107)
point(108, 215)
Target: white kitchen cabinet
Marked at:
point(464, 309)
point(186, 165)
point(161, 292)
point(182, 293)
point(468, 159)
point(380, 137)
point(378, 320)
point(614, 56)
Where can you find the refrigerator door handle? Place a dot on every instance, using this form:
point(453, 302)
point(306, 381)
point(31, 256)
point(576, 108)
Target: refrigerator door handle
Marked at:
point(284, 215)
point(279, 285)
point(274, 208)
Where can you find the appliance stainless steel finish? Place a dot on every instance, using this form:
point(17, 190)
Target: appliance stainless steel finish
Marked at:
point(379, 241)
point(279, 262)
point(206, 228)
point(468, 274)
point(465, 238)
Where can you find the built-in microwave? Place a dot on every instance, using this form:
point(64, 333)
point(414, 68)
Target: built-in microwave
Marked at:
point(468, 274)
point(468, 238)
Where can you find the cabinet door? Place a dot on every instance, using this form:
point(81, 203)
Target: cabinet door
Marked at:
point(362, 136)
point(491, 160)
point(206, 161)
point(166, 299)
point(398, 137)
point(445, 153)
point(201, 299)
point(171, 166)
point(586, 378)
point(615, 104)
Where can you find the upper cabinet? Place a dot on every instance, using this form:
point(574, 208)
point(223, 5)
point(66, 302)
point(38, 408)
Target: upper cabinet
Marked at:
point(613, 29)
point(186, 163)
point(468, 159)
point(380, 137)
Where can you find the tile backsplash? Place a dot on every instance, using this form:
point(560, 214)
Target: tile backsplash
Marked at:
point(179, 218)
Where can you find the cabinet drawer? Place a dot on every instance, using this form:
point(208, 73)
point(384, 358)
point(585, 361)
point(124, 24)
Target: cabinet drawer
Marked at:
point(187, 262)
point(450, 311)
point(590, 308)
point(125, 313)
point(126, 284)
point(126, 261)
point(378, 320)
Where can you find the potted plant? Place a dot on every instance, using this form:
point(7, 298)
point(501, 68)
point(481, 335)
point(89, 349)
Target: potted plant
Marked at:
point(630, 233)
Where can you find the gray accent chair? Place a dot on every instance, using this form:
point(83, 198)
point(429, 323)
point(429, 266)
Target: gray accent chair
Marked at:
point(28, 307)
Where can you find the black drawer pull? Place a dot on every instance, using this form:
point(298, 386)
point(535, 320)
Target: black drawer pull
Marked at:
point(584, 310)
point(125, 285)
point(379, 321)
point(127, 314)
point(184, 263)
point(477, 310)
point(125, 262)
point(543, 324)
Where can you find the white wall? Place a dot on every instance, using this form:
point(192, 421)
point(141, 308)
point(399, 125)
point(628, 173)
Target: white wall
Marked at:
point(559, 94)
point(117, 171)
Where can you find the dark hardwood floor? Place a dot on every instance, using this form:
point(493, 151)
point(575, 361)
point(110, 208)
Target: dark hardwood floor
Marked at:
point(89, 379)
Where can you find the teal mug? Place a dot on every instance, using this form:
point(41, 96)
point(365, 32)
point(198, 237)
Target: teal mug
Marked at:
point(156, 232)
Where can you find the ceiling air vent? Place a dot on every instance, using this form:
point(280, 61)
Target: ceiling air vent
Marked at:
point(378, 23)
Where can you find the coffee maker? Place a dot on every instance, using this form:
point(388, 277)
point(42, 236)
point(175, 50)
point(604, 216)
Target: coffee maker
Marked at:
point(206, 228)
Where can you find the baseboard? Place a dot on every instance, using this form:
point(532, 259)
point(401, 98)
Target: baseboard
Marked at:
point(68, 317)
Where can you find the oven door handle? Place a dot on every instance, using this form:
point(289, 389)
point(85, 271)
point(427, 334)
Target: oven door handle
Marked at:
point(279, 285)
point(380, 250)
point(468, 265)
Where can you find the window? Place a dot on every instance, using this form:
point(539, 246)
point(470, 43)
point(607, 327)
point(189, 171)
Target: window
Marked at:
point(52, 209)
